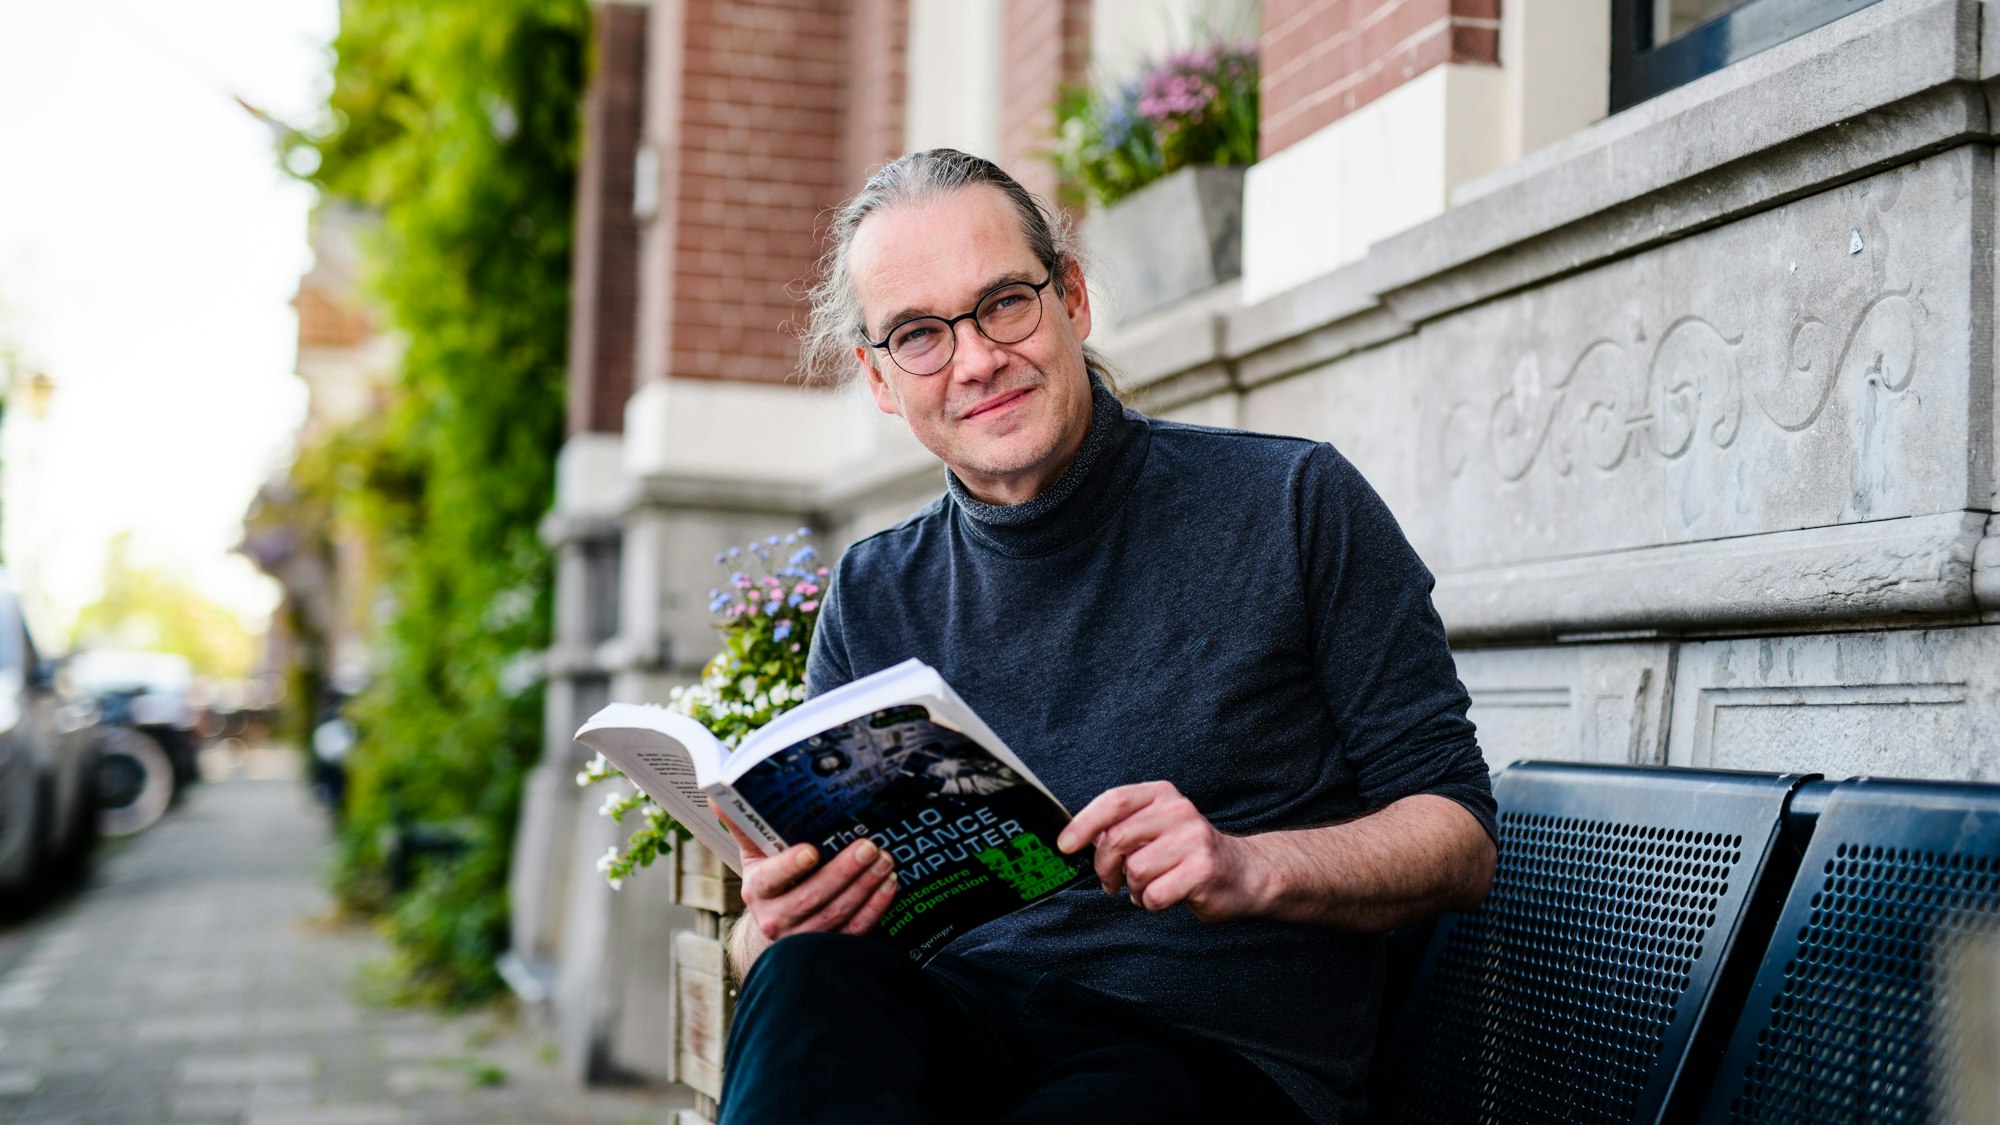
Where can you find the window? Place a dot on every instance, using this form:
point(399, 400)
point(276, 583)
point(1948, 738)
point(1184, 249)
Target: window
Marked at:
point(1657, 45)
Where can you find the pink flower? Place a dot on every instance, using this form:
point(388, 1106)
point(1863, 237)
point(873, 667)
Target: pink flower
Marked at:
point(808, 607)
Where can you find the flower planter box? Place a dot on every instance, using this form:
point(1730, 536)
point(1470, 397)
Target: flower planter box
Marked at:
point(1170, 239)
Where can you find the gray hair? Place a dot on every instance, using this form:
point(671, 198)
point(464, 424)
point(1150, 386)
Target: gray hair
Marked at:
point(834, 325)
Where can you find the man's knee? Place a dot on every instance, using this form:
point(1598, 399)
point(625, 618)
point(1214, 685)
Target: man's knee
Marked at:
point(820, 964)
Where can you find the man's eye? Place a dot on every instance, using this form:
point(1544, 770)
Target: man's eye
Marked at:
point(1005, 301)
point(918, 336)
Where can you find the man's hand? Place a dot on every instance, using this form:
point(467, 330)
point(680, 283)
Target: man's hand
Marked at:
point(1400, 864)
point(794, 893)
point(1153, 840)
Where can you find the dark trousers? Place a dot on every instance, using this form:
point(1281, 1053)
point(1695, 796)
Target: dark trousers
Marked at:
point(840, 1029)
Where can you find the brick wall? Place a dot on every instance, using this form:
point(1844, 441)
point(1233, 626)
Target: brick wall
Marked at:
point(1324, 59)
point(762, 144)
point(1047, 47)
point(878, 32)
point(605, 279)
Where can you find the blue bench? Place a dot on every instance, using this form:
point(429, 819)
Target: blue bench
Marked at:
point(1665, 945)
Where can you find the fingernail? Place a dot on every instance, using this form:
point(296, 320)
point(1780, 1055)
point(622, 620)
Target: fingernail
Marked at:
point(883, 865)
point(807, 857)
point(863, 848)
point(891, 880)
point(1065, 842)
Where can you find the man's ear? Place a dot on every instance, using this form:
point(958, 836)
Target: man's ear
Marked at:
point(885, 400)
point(1076, 298)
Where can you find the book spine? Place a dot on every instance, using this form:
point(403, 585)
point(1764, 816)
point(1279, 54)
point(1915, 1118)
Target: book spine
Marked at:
point(746, 818)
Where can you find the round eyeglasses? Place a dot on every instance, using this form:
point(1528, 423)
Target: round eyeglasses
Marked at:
point(1007, 314)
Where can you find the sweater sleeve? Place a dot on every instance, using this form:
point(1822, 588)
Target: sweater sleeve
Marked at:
point(1398, 708)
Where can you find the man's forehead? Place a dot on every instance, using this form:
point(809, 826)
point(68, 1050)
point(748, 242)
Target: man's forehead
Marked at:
point(928, 250)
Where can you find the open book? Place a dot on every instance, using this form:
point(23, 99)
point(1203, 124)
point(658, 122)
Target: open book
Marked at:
point(896, 757)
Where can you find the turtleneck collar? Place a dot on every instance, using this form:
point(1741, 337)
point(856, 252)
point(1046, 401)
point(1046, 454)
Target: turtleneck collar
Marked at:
point(1096, 482)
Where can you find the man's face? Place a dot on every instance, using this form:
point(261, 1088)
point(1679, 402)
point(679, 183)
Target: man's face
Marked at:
point(1007, 418)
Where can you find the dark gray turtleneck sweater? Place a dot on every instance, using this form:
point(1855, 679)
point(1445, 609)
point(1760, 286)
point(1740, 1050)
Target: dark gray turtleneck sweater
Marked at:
point(1235, 613)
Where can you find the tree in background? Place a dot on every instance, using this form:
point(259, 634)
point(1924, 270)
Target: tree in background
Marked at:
point(152, 609)
point(456, 122)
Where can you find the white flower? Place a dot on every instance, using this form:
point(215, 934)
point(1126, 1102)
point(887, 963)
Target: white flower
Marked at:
point(609, 857)
point(612, 800)
point(616, 884)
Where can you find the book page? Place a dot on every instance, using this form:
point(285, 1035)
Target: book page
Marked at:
point(649, 745)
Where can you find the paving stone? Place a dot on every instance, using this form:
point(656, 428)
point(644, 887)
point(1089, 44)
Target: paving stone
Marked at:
point(429, 1080)
point(266, 1068)
point(330, 1115)
point(408, 1047)
point(173, 1029)
point(18, 1083)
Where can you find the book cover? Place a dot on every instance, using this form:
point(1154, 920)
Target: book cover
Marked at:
point(971, 838)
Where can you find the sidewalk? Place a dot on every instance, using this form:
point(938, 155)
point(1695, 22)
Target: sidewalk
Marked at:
point(196, 980)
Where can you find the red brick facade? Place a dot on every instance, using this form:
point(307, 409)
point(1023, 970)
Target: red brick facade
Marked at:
point(878, 33)
point(1324, 59)
point(1047, 47)
point(604, 283)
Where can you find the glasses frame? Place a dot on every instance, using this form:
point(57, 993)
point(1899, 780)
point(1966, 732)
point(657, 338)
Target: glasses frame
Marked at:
point(951, 324)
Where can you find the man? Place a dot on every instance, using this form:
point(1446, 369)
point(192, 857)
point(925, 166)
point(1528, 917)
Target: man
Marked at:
point(1217, 647)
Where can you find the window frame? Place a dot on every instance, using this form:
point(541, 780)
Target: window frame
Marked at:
point(1641, 69)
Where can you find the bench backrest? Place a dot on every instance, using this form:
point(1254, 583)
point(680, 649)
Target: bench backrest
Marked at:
point(1576, 990)
point(1841, 1023)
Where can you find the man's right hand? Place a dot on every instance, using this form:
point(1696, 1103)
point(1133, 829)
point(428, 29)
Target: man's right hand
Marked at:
point(794, 893)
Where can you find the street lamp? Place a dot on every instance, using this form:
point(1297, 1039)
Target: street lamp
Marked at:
point(41, 389)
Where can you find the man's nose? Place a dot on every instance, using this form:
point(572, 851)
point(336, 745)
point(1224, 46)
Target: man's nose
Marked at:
point(973, 355)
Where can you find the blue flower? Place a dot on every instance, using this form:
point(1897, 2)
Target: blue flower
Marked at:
point(783, 630)
point(718, 600)
point(803, 556)
point(804, 532)
point(733, 552)
point(771, 608)
point(794, 600)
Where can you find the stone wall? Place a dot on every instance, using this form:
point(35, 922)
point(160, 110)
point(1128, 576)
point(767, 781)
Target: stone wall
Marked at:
point(1692, 415)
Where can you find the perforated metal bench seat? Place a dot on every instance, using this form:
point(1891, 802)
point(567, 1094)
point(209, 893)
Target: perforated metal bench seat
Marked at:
point(1688, 945)
point(1577, 990)
point(1840, 1025)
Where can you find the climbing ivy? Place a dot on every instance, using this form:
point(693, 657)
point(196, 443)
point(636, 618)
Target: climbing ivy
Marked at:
point(456, 122)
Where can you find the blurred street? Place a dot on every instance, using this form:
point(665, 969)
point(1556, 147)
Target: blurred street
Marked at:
point(197, 979)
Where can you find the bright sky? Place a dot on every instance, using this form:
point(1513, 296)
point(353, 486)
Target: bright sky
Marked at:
point(149, 250)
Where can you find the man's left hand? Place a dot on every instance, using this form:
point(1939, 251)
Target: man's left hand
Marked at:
point(1153, 840)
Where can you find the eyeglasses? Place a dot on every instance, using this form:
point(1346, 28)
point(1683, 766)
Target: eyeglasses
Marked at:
point(1007, 314)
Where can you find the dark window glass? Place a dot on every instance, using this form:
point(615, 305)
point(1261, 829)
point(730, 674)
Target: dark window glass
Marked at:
point(600, 568)
point(1657, 45)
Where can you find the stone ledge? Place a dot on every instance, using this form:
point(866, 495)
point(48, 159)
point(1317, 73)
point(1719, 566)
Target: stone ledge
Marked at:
point(1882, 87)
point(687, 492)
point(560, 529)
point(1892, 570)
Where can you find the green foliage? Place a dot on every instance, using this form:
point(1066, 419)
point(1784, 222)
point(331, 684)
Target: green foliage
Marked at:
point(457, 123)
point(766, 620)
point(1193, 107)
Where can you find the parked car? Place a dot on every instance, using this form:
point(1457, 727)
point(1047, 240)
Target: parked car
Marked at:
point(147, 692)
point(48, 766)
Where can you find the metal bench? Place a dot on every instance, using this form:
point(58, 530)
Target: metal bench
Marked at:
point(1576, 990)
point(1841, 1022)
point(1673, 945)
